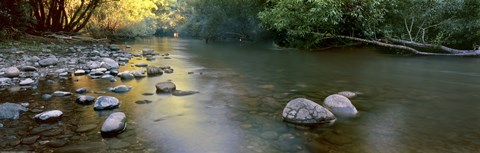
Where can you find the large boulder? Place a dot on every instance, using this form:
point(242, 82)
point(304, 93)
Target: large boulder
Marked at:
point(52, 60)
point(11, 110)
point(105, 103)
point(154, 71)
point(304, 111)
point(340, 105)
point(12, 72)
point(49, 116)
point(115, 124)
point(109, 63)
point(165, 87)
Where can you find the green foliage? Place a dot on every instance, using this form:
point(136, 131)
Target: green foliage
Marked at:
point(306, 22)
point(130, 18)
point(14, 17)
point(223, 19)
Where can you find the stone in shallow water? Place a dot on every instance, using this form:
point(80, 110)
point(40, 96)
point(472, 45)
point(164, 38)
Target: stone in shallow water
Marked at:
point(183, 93)
point(81, 90)
point(61, 94)
point(121, 89)
point(165, 87)
point(11, 110)
point(340, 105)
point(304, 111)
point(49, 116)
point(85, 100)
point(106, 103)
point(154, 71)
point(348, 94)
point(83, 148)
point(30, 140)
point(109, 63)
point(52, 60)
point(57, 143)
point(141, 65)
point(114, 124)
point(86, 128)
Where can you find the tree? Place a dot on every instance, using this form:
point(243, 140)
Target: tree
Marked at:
point(14, 17)
point(130, 18)
point(223, 19)
point(413, 25)
point(62, 15)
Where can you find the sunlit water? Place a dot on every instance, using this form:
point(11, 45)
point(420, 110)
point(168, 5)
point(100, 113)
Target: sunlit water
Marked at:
point(408, 103)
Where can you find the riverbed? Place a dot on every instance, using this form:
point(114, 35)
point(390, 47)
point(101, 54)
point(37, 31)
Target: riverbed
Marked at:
point(405, 103)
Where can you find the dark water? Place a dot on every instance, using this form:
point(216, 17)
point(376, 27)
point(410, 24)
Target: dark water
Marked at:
point(408, 103)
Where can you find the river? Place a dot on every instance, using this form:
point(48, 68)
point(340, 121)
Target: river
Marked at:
point(407, 103)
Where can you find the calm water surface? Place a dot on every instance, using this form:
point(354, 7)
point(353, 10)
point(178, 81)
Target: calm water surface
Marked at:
point(408, 103)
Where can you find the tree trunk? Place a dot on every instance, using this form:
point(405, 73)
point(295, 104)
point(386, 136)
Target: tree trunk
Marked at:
point(455, 52)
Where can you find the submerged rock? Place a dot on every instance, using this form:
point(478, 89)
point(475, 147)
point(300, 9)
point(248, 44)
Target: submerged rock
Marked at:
point(165, 87)
point(115, 124)
point(304, 111)
point(183, 93)
point(11, 110)
point(126, 76)
point(340, 105)
point(347, 94)
point(49, 116)
point(141, 65)
point(81, 90)
point(138, 73)
point(106, 102)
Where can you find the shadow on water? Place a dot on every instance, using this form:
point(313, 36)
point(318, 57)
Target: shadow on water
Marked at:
point(408, 104)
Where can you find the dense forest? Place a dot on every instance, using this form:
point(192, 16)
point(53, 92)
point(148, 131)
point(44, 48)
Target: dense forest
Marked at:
point(429, 27)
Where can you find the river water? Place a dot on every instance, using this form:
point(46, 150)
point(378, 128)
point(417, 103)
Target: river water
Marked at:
point(407, 103)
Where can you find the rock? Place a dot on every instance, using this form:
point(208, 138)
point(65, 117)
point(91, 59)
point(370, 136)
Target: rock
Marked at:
point(154, 71)
point(46, 96)
point(5, 82)
point(126, 76)
point(79, 72)
point(26, 82)
point(12, 72)
point(304, 111)
point(150, 58)
point(128, 46)
point(149, 52)
point(86, 128)
point(52, 60)
point(340, 105)
point(105, 103)
point(109, 63)
point(30, 140)
point(28, 68)
point(85, 100)
point(114, 47)
point(83, 148)
point(11, 110)
point(183, 93)
point(121, 89)
point(347, 94)
point(93, 64)
point(57, 143)
point(81, 90)
point(34, 59)
point(169, 70)
point(141, 65)
point(115, 124)
point(143, 101)
point(49, 116)
point(165, 87)
point(61, 94)
point(138, 73)
point(108, 77)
